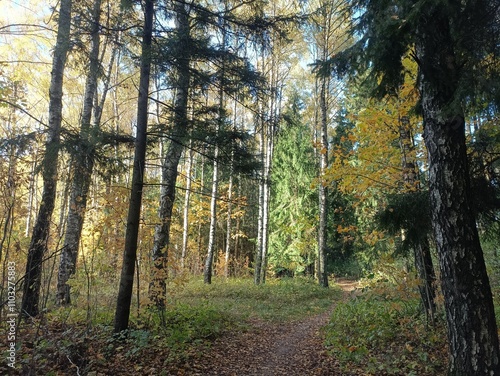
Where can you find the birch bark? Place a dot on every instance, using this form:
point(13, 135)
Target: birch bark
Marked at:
point(158, 287)
point(82, 167)
point(41, 229)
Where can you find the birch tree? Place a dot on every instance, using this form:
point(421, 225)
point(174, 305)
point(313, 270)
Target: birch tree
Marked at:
point(41, 229)
point(82, 167)
point(182, 62)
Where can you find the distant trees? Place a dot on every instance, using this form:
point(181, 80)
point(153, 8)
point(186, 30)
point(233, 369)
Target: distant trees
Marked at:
point(293, 207)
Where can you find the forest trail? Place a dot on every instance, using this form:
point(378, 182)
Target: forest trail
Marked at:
point(272, 349)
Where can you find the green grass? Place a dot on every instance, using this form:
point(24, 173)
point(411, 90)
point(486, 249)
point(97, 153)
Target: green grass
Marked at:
point(276, 300)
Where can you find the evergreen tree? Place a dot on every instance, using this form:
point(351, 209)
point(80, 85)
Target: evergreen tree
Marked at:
point(452, 42)
point(293, 211)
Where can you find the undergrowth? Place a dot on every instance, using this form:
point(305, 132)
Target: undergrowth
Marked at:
point(81, 340)
point(382, 331)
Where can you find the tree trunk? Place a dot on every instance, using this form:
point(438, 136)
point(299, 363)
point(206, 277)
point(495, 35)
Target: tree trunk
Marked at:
point(158, 287)
point(260, 220)
point(229, 228)
point(469, 307)
point(187, 197)
point(82, 167)
point(323, 189)
point(207, 271)
point(266, 202)
point(40, 236)
point(124, 298)
point(472, 329)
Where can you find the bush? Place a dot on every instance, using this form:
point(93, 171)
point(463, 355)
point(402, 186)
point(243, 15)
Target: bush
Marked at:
point(185, 324)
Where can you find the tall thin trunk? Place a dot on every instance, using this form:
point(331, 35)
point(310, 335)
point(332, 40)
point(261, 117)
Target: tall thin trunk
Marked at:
point(31, 193)
point(229, 221)
point(267, 200)
point(124, 298)
point(199, 234)
point(64, 198)
point(238, 221)
point(472, 328)
point(323, 189)
point(158, 287)
point(187, 197)
point(260, 219)
point(40, 236)
point(207, 271)
point(82, 167)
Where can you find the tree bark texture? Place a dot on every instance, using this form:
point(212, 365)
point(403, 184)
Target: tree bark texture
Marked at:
point(82, 167)
point(469, 307)
point(40, 235)
point(157, 287)
point(124, 298)
point(260, 219)
point(267, 200)
point(472, 329)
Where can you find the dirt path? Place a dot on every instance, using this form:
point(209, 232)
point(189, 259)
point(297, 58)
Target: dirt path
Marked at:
point(270, 349)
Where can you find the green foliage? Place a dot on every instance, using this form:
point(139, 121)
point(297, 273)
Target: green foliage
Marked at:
point(484, 151)
point(293, 210)
point(385, 334)
point(409, 212)
point(386, 32)
point(186, 324)
point(133, 340)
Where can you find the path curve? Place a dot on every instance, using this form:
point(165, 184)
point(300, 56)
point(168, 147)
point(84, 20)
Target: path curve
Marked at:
point(272, 349)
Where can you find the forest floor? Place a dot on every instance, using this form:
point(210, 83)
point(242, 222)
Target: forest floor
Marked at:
point(272, 349)
point(266, 347)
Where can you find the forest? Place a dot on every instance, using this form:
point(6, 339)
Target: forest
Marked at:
point(220, 187)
